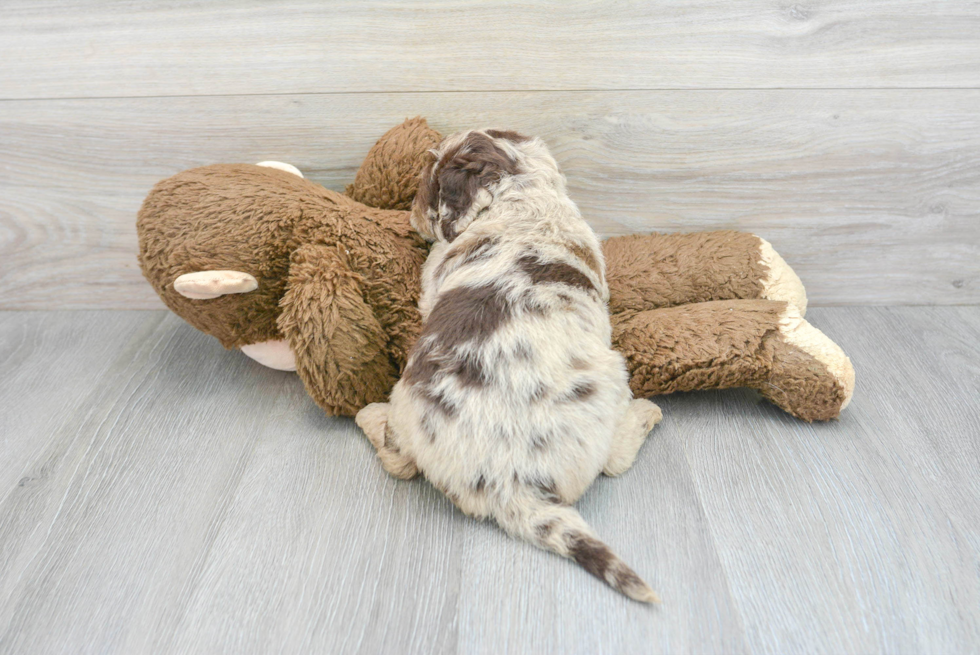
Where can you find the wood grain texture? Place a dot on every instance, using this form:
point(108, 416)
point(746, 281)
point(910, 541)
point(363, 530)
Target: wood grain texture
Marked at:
point(144, 438)
point(183, 499)
point(876, 511)
point(114, 48)
point(872, 196)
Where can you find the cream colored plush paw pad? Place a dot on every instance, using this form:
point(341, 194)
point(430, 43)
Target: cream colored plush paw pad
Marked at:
point(205, 285)
point(275, 354)
point(782, 283)
point(278, 165)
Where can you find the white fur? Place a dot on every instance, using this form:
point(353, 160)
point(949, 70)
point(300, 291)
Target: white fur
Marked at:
point(521, 435)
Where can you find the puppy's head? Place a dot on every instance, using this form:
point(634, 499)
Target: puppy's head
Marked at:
point(463, 176)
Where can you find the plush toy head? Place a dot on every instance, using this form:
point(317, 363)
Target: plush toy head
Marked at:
point(216, 221)
point(262, 258)
point(232, 218)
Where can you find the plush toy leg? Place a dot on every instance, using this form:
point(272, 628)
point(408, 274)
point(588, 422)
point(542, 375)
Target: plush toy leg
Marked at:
point(763, 344)
point(664, 270)
point(631, 432)
point(341, 349)
point(275, 354)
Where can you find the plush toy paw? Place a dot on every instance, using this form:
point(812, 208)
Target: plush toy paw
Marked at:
point(810, 375)
point(205, 285)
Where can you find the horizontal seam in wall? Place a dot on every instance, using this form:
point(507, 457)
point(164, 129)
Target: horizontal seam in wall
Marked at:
point(488, 91)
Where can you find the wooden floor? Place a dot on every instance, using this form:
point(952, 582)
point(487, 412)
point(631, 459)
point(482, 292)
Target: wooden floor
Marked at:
point(159, 494)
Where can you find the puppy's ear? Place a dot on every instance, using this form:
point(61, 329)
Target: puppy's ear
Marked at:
point(425, 206)
point(456, 187)
point(509, 135)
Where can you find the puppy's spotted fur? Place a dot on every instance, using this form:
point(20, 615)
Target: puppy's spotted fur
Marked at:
point(513, 400)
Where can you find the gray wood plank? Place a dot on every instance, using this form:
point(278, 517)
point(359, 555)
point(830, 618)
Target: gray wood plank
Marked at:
point(871, 195)
point(54, 362)
point(348, 558)
point(195, 502)
point(858, 535)
point(84, 49)
point(108, 536)
point(433, 581)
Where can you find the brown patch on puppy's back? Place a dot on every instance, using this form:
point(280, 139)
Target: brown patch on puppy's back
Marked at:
point(540, 441)
point(437, 401)
point(586, 255)
point(467, 314)
point(524, 351)
point(469, 371)
point(467, 253)
point(554, 272)
point(531, 304)
point(581, 390)
point(461, 315)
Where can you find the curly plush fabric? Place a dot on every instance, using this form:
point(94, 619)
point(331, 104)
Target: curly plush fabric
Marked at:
point(224, 217)
point(664, 270)
point(388, 178)
point(337, 278)
point(722, 344)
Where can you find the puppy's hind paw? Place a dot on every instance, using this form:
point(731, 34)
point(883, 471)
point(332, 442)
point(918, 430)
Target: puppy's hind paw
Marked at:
point(649, 413)
point(373, 419)
point(397, 463)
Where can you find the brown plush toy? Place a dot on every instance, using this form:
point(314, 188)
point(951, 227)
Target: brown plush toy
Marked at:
point(300, 277)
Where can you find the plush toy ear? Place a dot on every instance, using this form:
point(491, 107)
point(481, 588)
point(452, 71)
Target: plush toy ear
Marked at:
point(389, 176)
point(458, 183)
point(207, 285)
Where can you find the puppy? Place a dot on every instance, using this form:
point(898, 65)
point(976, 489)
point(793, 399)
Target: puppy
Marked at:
point(512, 401)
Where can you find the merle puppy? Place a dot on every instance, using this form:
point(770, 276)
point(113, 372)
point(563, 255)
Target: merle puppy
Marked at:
point(513, 401)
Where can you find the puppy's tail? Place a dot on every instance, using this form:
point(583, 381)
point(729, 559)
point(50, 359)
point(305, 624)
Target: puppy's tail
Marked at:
point(561, 529)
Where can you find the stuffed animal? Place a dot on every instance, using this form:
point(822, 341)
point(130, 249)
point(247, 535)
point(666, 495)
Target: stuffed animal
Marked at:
point(301, 277)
